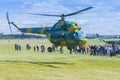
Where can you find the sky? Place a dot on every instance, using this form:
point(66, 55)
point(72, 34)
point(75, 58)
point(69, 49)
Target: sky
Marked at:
point(103, 18)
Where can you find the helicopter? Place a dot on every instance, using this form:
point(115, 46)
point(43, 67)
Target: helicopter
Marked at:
point(63, 33)
point(112, 42)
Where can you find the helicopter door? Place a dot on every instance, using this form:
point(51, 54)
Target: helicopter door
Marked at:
point(56, 37)
point(70, 38)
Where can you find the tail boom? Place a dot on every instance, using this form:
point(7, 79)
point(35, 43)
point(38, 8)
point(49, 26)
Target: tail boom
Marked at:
point(35, 30)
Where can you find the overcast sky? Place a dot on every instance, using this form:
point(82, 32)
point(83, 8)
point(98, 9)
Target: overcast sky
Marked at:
point(104, 18)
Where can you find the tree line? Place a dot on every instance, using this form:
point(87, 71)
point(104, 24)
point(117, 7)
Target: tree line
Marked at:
point(19, 36)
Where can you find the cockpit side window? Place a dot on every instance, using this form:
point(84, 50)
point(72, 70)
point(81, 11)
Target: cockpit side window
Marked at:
point(76, 35)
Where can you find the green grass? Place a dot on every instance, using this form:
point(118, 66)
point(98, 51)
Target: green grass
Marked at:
point(30, 65)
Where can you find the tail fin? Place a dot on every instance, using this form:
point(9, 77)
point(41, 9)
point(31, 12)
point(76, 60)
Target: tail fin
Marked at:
point(100, 38)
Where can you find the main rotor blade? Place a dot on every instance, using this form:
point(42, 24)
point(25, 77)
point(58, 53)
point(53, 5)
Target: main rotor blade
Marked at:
point(44, 14)
point(63, 15)
point(78, 11)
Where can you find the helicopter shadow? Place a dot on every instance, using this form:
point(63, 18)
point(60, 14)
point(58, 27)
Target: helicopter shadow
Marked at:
point(48, 64)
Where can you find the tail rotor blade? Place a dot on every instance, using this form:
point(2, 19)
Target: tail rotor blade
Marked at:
point(7, 15)
point(10, 27)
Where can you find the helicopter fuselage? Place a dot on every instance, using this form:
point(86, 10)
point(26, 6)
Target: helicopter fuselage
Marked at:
point(63, 33)
point(63, 38)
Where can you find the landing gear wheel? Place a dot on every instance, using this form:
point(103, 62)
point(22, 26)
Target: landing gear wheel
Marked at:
point(49, 49)
point(70, 49)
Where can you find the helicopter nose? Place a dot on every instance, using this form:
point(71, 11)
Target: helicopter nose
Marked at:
point(84, 42)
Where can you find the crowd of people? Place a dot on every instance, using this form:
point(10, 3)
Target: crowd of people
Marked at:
point(109, 50)
point(28, 47)
point(93, 50)
point(102, 50)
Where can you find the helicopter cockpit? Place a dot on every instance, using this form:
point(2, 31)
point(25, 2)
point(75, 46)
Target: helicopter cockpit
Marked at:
point(78, 34)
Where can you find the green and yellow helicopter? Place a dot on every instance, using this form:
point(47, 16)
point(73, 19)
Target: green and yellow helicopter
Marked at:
point(63, 33)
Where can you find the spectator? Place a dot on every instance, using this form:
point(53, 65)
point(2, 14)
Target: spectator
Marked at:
point(34, 48)
point(61, 49)
point(28, 46)
point(37, 47)
point(42, 48)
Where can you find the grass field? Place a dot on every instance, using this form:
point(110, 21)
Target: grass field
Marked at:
point(30, 65)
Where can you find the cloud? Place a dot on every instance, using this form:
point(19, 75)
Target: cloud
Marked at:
point(103, 18)
point(51, 8)
point(26, 3)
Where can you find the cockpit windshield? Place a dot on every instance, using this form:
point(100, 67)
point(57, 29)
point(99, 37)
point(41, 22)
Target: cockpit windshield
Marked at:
point(80, 34)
